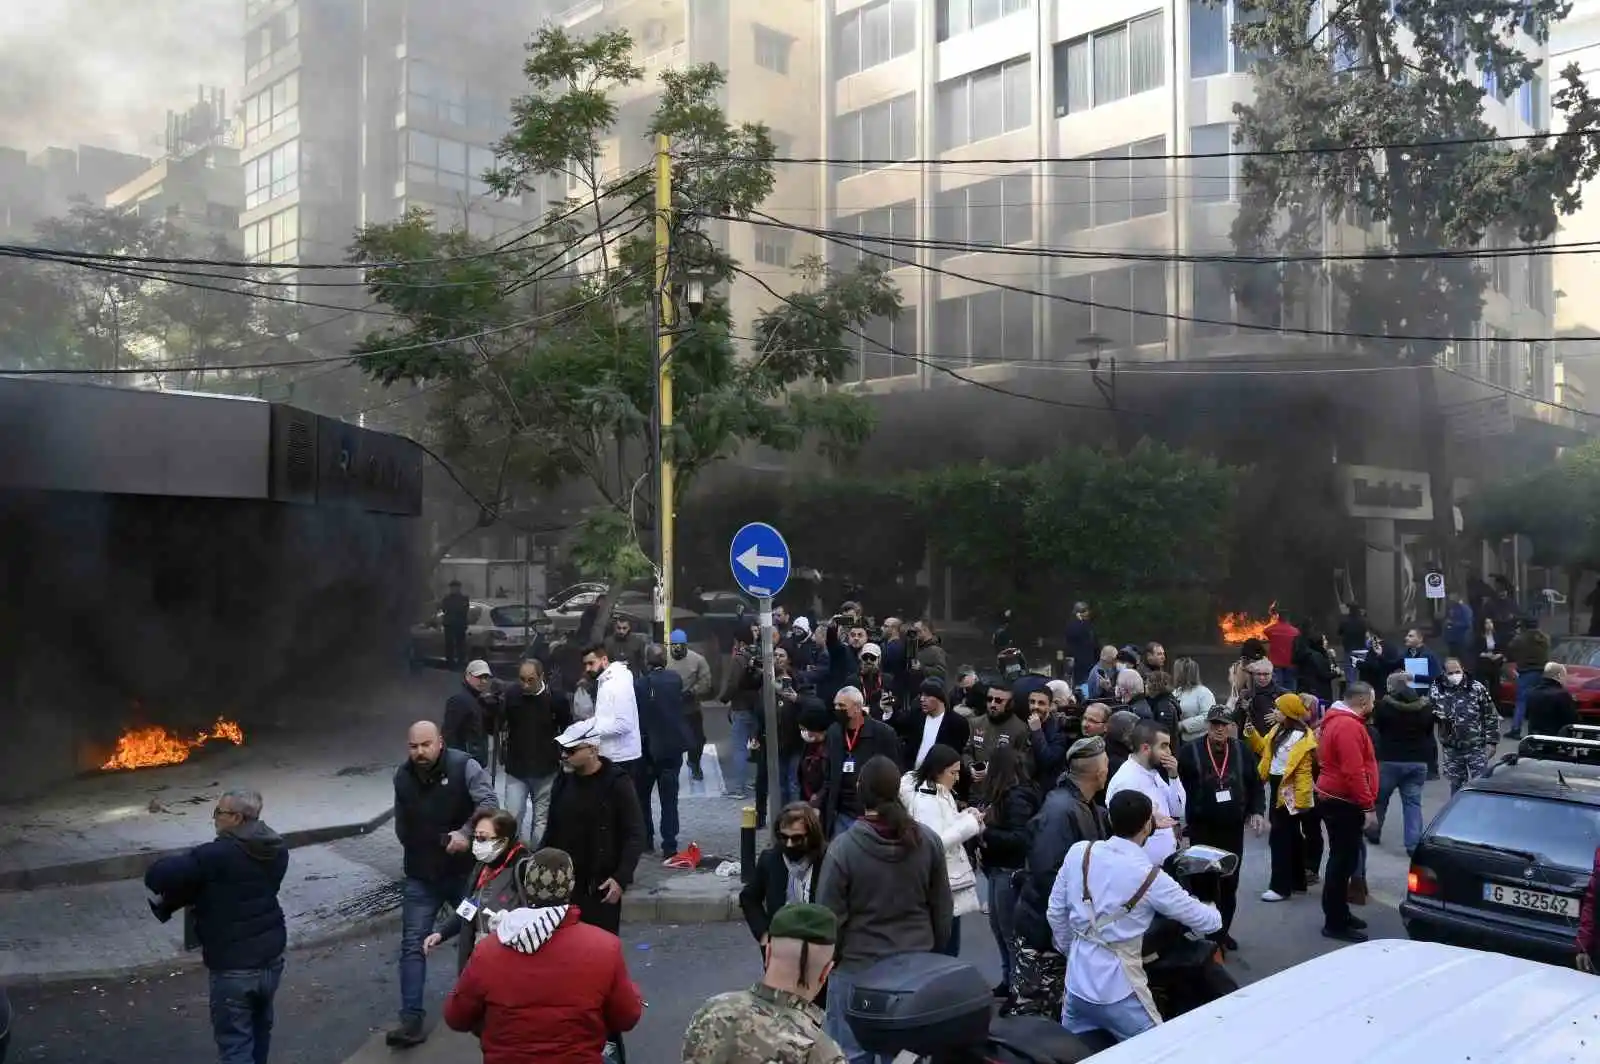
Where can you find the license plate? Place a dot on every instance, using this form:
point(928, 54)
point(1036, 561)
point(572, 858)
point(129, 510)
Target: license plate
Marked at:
point(1533, 900)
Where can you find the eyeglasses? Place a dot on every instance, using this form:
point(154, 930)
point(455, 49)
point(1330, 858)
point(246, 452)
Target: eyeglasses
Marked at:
point(485, 838)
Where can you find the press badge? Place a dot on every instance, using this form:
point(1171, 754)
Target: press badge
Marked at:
point(849, 767)
point(1224, 796)
point(466, 910)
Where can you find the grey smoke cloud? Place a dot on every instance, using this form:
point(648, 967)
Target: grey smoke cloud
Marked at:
point(105, 72)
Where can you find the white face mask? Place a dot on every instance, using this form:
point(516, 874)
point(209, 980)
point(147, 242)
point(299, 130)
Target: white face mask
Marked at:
point(486, 849)
point(1454, 677)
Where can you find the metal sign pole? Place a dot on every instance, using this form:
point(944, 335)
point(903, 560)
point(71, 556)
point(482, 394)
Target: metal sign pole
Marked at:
point(769, 709)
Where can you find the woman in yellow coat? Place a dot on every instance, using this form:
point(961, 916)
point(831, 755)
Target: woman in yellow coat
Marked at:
point(1288, 754)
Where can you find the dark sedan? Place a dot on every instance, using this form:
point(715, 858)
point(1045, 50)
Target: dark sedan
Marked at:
point(1505, 864)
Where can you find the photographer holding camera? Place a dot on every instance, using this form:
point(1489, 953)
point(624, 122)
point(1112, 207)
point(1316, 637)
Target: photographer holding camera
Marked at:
point(232, 885)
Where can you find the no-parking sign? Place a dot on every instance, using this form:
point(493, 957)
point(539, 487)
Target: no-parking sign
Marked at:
point(1433, 585)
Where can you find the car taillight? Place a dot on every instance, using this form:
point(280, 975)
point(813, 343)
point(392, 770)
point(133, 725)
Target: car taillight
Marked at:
point(1422, 882)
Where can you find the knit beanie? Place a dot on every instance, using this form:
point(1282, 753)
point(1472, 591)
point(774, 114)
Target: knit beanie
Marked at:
point(547, 877)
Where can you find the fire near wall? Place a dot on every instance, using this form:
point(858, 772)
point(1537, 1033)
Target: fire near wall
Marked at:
point(122, 611)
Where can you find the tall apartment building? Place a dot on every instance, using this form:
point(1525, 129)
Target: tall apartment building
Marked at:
point(355, 112)
point(772, 56)
point(1112, 90)
point(1577, 40)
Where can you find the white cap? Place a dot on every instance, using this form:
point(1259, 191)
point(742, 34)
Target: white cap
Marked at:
point(874, 649)
point(581, 733)
point(479, 667)
point(802, 624)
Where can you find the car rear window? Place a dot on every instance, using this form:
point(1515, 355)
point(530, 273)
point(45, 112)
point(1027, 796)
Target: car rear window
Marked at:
point(1560, 833)
point(1576, 652)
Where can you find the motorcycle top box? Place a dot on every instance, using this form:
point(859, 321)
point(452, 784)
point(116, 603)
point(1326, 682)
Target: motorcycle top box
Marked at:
point(919, 1003)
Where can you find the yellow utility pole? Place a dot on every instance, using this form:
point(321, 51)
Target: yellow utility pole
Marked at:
point(664, 329)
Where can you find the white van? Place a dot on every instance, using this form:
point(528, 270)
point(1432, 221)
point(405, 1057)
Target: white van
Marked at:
point(1389, 1002)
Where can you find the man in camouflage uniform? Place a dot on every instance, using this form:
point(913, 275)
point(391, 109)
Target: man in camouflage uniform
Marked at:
point(1469, 724)
point(774, 1022)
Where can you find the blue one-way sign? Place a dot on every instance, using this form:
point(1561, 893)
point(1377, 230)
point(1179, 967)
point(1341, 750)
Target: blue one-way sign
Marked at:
point(760, 560)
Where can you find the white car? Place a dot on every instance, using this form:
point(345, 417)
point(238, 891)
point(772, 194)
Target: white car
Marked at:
point(498, 631)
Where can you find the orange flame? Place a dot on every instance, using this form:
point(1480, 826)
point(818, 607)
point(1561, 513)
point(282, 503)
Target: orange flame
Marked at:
point(155, 745)
point(1237, 627)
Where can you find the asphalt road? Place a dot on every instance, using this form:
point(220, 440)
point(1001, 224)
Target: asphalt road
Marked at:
point(335, 997)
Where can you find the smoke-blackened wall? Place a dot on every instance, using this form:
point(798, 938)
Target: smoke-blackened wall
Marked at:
point(137, 609)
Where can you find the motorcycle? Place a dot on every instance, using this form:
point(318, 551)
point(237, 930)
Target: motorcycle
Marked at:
point(940, 1009)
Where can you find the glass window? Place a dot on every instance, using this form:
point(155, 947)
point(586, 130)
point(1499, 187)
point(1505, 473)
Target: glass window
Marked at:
point(904, 112)
point(274, 108)
point(1212, 179)
point(1209, 49)
point(1213, 299)
point(1530, 101)
point(1149, 293)
point(1146, 56)
point(1559, 833)
point(984, 103)
point(277, 173)
point(774, 246)
point(950, 327)
point(275, 238)
point(984, 214)
point(986, 318)
point(1113, 296)
point(1147, 173)
point(875, 33)
point(1071, 318)
point(772, 49)
point(1110, 66)
point(1016, 196)
point(1110, 175)
point(956, 17)
point(266, 44)
point(1017, 320)
point(1072, 196)
point(886, 130)
point(886, 341)
point(950, 222)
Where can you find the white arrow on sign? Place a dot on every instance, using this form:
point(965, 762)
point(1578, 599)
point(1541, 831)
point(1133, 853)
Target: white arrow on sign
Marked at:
point(753, 560)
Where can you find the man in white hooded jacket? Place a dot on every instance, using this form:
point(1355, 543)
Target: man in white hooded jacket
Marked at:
point(616, 708)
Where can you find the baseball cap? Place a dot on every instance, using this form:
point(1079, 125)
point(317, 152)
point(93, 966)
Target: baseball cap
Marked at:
point(479, 667)
point(1219, 713)
point(582, 733)
point(872, 650)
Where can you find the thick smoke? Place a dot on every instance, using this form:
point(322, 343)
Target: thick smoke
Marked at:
point(123, 609)
point(105, 72)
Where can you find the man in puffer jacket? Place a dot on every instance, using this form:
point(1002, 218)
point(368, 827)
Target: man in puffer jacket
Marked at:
point(544, 988)
point(1404, 720)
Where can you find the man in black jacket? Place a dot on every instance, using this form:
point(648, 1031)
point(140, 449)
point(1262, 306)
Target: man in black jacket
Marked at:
point(469, 714)
point(595, 817)
point(854, 738)
point(437, 793)
point(1550, 706)
point(663, 718)
point(534, 714)
point(1224, 796)
point(1069, 815)
point(232, 885)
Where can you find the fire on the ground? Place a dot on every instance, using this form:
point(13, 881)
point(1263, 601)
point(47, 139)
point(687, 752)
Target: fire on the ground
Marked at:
point(1237, 627)
point(153, 745)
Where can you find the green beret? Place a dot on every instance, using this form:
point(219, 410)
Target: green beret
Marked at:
point(805, 923)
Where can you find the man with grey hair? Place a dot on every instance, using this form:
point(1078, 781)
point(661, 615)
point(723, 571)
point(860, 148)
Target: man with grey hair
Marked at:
point(232, 885)
point(854, 738)
point(1347, 791)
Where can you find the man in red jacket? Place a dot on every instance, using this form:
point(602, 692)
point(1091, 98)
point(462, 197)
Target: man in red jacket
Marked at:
point(1281, 634)
point(1588, 941)
point(1347, 789)
point(544, 988)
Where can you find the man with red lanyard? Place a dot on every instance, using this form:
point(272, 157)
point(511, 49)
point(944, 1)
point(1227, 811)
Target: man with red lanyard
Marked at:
point(1588, 942)
point(1224, 796)
point(853, 739)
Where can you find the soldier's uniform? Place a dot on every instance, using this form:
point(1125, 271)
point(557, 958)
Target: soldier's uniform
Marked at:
point(763, 1025)
point(759, 1026)
point(1469, 727)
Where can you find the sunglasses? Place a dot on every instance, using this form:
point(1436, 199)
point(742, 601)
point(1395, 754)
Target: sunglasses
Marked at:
point(873, 658)
point(788, 837)
point(1000, 701)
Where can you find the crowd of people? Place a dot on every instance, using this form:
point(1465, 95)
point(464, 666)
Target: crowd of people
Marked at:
point(916, 796)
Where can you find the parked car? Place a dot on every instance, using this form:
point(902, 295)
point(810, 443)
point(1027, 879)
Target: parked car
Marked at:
point(1581, 655)
point(498, 631)
point(1504, 865)
point(567, 605)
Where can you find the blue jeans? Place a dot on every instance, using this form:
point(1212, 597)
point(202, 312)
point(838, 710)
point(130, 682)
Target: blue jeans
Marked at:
point(1526, 678)
point(791, 778)
point(241, 1012)
point(839, 986)
point(952, 945)
point(842, 823)
point(420, 902)
point(1002, 919)
point(1288, 677)
point(1408, 776)
point(520, 791)
point(744, 729)
point(1120, 1019)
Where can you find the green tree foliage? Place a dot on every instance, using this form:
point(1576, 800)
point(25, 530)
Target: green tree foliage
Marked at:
point(1558, 507)
point(556, 386)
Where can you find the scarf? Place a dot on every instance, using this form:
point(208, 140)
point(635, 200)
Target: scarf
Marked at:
point(799, 888)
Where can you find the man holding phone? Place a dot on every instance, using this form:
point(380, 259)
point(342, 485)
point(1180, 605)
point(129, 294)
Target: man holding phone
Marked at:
point(1153, 770)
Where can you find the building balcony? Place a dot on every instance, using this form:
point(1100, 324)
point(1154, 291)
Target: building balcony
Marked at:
point(675, 57)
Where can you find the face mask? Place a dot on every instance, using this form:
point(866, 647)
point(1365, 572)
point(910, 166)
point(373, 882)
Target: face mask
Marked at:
point(1454, 677)
point(485, 849)
point(809, 737)
point(794, 849)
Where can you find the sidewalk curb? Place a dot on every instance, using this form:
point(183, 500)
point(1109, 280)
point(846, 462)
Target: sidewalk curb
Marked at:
point(134, 865)
point(665, 908)
point(184, 962)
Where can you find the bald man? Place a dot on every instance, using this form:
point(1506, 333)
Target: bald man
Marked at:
point(438, 793)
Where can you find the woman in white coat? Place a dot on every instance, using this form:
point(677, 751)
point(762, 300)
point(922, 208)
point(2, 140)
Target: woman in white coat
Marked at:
point(927, 793)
